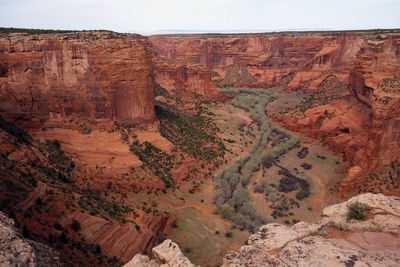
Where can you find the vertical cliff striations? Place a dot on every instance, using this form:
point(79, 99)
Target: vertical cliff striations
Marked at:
point(92, 75)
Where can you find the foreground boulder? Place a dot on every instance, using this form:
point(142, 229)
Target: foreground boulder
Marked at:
point(166, 254)
point(15, 250)
point(335, 241)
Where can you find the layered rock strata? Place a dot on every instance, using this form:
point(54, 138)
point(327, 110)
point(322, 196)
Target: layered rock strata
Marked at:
point(91, 75)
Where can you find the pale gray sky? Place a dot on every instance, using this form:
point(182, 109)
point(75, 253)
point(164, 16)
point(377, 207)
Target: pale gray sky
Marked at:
point(154, 15)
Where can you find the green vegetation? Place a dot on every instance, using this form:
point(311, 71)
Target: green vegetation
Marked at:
point(192, 133)
point(76, 226)
point(56, 156)
point(161, 91)
point(356, 210)
point(102, 206)
point(157, 161)
point(375, 227)
point(231, 195)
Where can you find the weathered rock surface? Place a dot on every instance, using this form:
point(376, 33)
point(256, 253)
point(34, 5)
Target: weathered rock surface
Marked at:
point(259, 60)
point(334, 241)
point(365, 126)
point(166, 254)
point(173, 75)
point(92, 75)
point(19, 195)
point(15, 250)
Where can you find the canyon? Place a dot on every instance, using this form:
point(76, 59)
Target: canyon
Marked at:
point(107, 138)
point(356, 72)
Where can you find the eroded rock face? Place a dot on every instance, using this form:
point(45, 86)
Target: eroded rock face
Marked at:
point(259, 60)
point(15, 250)
point(166, 254)
point(365, 124)
point(92, 75)
point(173, 75)
point(331, 242)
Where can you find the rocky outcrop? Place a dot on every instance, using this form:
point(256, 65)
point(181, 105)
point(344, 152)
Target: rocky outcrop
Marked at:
point(175, 75)
point(27, 175)
point(15, 250)
point(90, 75)
point(166, 254)
point(334, 241)
point(364, 126)
point(259, 60)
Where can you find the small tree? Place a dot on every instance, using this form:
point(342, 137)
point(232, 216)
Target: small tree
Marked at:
point(76, 226)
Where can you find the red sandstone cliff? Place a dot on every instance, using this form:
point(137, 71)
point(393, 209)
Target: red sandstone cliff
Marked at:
point(365, 125)
point(71, 87)
point(258, 60)
point(175, 75)
point(88, 75)
point(355, 74)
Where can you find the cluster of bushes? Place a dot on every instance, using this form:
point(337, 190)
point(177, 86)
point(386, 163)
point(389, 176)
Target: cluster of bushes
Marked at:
point(231, 195)
point(56, 156)
point(290, 182)
point(157, 161)
point(302, 153)
point(192, 133)
point(102, 206)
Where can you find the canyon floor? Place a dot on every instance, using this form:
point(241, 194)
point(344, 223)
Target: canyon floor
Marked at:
point(202, 234)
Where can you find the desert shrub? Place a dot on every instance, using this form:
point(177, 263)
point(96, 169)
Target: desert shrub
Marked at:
point(76, 226)
point(229, 234)
point(302, 153)
point(258, 188)
point(58, 226)
point(174, 224)
point(302, 194)
point(226, 211)
point(356, 210)
point(64, 238)
point(98, 249)
point(306, 166)
point(240, 196)
point(375, 227)
point(154, 203)
point(39, 201)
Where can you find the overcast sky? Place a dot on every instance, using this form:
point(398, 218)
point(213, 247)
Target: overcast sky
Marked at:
point(222, 15)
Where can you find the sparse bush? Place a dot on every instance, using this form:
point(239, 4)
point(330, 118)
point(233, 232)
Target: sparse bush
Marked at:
point(356, 210)
point(64, 238)
point(98, 249)
point(58, 226)
point(375, 227)
point(229, 234)
point(76, 226)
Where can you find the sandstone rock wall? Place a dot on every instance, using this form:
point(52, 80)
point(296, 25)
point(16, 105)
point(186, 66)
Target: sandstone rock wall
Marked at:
point(173, 75)
point(258, 60)
point(92, 75)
